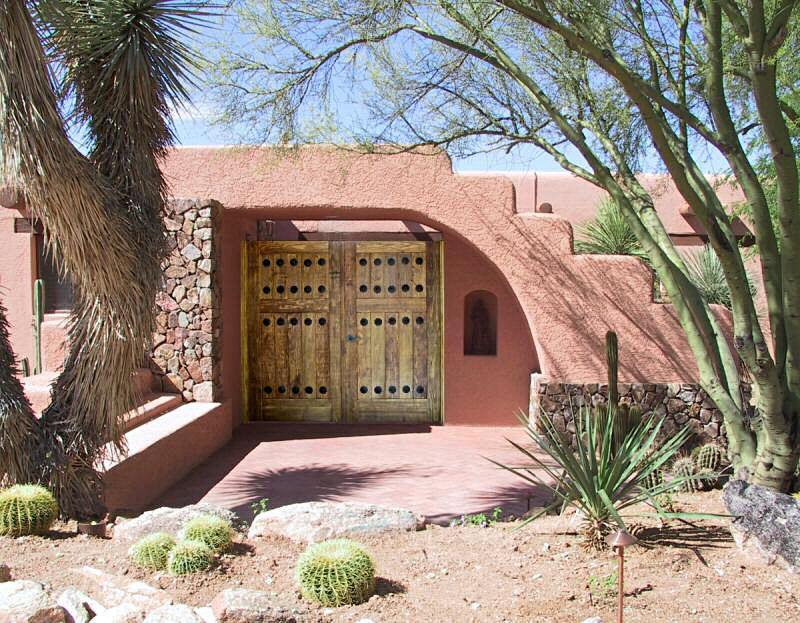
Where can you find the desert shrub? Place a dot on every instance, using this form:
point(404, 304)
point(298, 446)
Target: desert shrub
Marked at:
point(27, 509)
point(152, 551)
point(189, 557)
point(214, 531)
point(335, 573)
point(604, 475)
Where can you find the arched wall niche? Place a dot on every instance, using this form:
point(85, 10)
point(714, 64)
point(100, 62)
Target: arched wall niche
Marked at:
point(480, 324)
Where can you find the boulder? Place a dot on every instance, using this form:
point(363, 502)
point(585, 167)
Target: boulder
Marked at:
point(170, 520)
point(79, 606)
point(766, 523)
point(126, 613)
point(240, 605)
point(113, 590)
point(310, 522)
point(179, 613)
point(24, 601)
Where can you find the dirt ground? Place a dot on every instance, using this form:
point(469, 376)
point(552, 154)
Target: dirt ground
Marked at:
point(679, 573)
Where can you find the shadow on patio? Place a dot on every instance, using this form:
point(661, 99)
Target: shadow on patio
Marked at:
point(438, 472)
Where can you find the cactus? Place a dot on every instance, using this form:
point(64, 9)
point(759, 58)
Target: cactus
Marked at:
point(215, 532)
point(151, 552)
point(612, 361)
point(684, 468)
point(25, 367)
point(189, 557)
point(335, 573)
point(26, 509)
point(709, 459)
point(653, 479)
point(38, 317)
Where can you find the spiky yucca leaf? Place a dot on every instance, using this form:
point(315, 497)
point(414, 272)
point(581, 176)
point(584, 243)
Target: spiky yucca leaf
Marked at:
point(599, 481)
point(704, 270)
point(608, 234)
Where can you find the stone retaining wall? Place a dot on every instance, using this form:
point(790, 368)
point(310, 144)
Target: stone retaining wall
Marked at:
point(186, 341)
point(680, 405)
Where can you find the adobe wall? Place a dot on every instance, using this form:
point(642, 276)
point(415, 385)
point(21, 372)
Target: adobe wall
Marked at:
point(569, 301)
point(16, 283)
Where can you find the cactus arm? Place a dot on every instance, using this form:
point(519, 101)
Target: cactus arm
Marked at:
point(38, 317)
point(612, 360)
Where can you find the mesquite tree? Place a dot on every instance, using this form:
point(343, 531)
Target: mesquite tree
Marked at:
point(116, 66)
point(605, 87)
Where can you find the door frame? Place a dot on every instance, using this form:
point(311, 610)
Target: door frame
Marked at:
point(339, 276)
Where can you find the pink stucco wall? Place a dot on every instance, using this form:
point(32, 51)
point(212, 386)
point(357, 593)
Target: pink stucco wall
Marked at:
point(16, 279)
point(569, 301)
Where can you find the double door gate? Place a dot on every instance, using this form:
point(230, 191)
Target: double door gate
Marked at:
point(342, 331)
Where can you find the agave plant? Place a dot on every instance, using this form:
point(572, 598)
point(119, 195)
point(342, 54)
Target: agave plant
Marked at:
point(599, 481)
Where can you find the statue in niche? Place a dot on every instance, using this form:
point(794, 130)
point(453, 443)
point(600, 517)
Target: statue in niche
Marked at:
point(482, 341)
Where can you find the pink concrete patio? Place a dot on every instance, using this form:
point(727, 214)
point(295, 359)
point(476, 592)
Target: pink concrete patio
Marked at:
point(439, 472)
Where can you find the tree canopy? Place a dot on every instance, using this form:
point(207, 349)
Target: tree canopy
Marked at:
point(607, 88)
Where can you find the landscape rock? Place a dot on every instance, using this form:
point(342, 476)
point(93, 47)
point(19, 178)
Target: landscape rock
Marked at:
point(114, 590)
point(5, 573)
point(316, 521)
point(125, 613)
point(169, 520)
point(766, 523)
point(24, 601)
point(178, 613)
point(79, 606)
point(239, 605)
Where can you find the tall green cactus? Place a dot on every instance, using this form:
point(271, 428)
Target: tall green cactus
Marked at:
point(612, 361)
point(25, 367)
point(38, 317)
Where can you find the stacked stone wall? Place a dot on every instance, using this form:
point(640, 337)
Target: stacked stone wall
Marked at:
point(186, 341)
point(679, 404)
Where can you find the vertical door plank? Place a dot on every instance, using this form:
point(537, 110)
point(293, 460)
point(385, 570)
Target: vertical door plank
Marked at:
point(376, 262)
point(420, 388)
point(392, 389)
point(266, 359)
point(405, 354)
point(308, 326)
point(364, 349)
point(390, 269)
point(434, 289)
point(418, 273)
point(378, 355)
point(351, 270)
point(404, 276)
point(295, 348)
point(322, 356)
point(334, 323)
point(281, 357)
point(293, 271)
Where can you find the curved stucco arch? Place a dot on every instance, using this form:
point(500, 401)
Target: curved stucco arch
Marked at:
point(569, 301)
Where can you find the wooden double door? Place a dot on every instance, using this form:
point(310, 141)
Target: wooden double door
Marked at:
point(342, 331)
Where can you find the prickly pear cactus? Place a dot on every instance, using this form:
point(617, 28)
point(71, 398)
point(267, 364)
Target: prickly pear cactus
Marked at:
point(151, 552)
point(215, 532)
point(189, 557)
point(335, 573)
point(26, 509)
point(684, 468)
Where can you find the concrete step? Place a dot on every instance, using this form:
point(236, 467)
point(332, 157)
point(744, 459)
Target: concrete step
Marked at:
point(163, 451)
point(153, 406)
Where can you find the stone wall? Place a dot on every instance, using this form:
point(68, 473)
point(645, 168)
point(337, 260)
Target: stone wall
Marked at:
point(679, 404)
point(186, 342)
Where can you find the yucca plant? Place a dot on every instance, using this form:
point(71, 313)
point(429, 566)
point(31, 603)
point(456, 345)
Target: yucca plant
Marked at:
point(608, 234)
point(705, 271)
point(600, 482)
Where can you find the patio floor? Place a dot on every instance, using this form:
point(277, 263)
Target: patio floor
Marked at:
point(438, 471)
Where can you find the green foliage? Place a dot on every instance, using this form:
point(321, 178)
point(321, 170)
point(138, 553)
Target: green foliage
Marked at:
point(26, 509)
point(609, 233)
point(38, 318)
point(603, 587)
point(601, 482)
point(261, 506)
point(214, 532)
point(335, 573)
point(612, 364)
point(683, 470)
point(152, 551)
point(704, 270)
point(189, 557)
point(25, 367)
point(480, 520)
